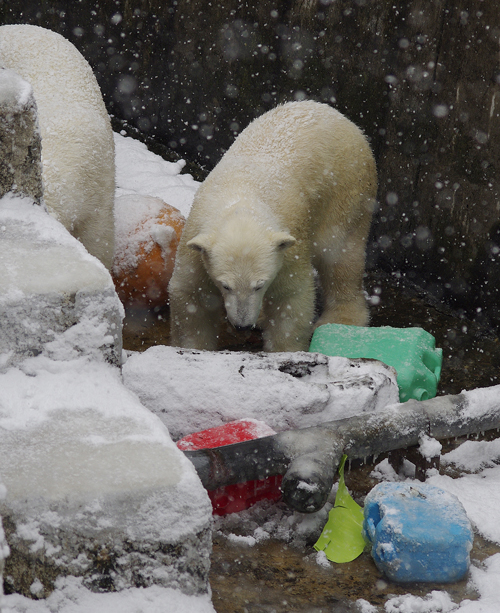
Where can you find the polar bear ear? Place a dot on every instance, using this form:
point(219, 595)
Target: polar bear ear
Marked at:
point(201, 243)
point(283, 241)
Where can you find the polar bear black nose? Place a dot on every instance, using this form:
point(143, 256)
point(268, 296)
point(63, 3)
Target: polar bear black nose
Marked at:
point(243, 328)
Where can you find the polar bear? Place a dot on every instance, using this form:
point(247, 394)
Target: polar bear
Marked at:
point(78, 163)
point(293, 194)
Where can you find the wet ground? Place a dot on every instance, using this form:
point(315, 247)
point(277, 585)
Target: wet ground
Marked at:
point(275, 576)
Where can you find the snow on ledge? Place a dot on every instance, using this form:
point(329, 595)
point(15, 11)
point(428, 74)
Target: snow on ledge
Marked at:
point(194, 390)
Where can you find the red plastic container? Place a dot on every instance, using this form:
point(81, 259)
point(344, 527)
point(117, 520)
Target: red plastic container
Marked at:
point(240, 496)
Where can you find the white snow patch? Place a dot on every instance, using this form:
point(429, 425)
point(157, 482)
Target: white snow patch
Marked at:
point(194, 390)
point(429, 447)
point(34, 245)
point(322, 560)
point(364, 606)
point(474, 455)
point(487, 582)
point(435, 602)
point(15, 92)
point(138, 171)
point(36, 588)
point(64, 405)
point(71, 597)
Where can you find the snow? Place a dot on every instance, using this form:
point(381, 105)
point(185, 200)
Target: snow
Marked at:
point(144, 173)
point(71, 597)
point(73, 312)
point(40, 389)
point(136, 227)
point(193, 390)
point(138, 171)
point(15, 92)
point(39, 244)
point(474, 455)
point(432, 603)
point(429, 447)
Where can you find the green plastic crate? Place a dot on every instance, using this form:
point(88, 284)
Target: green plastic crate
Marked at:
point(411, 351)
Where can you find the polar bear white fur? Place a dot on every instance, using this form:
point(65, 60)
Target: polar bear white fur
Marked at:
point(294, 193)
point(78, 164)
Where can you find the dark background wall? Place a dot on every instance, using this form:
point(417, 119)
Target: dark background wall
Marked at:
point(421, 77)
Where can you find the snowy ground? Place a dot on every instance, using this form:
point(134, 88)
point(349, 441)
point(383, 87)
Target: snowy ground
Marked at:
point(478, 488)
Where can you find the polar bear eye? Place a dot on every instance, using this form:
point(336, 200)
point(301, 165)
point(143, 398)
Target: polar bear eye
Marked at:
point(259, 285)
point(226, 287)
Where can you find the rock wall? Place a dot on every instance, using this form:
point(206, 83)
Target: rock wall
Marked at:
point(422, 79)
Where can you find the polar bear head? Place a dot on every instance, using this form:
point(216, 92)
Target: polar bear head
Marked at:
point(242, 257)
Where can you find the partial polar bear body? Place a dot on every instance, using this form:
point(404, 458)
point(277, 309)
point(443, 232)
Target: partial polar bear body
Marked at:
point(293, 194)
point(78, 165)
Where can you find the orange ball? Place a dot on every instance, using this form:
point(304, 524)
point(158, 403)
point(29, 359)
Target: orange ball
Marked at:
point(147, 233)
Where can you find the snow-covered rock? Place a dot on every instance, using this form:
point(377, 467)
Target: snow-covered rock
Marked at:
point(95, 486)
point(194, 390)
point(55, 298)
point(20, 165)
point(4, 548)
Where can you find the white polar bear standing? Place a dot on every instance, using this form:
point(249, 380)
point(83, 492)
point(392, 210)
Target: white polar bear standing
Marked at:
point(78, 162)
point(294, 193)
